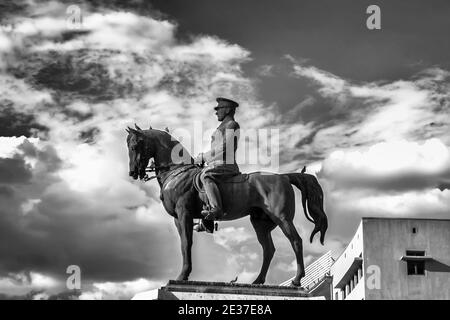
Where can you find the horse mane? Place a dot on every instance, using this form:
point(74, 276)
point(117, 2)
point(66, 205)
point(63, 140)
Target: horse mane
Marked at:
point(165, 139)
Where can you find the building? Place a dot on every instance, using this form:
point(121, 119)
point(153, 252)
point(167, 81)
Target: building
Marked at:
point(317, 280)
point(387, 258)
point(395, 258)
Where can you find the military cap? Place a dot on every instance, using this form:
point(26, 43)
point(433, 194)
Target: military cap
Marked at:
point(223, 102)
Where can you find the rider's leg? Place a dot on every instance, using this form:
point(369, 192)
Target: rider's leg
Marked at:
point(215, 200)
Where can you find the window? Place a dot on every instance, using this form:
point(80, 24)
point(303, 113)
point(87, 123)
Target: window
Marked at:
point(415, 267)
point(415, 253)
point(414, 230)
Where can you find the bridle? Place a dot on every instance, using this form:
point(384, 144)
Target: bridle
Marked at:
point(157, 168)
point(154, 168)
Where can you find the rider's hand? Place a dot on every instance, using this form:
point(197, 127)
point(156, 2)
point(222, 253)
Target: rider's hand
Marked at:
point(151, 164)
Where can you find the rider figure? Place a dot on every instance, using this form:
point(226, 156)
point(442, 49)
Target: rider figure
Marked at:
point(221, 159)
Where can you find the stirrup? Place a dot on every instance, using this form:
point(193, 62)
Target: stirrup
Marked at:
point(201, 226)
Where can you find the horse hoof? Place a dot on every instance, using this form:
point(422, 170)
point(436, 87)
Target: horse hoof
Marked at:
point(182, 278)
point(296, 284)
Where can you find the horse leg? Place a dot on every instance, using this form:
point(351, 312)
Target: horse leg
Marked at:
point(288, 228)
point(263, 228)
point(184, 225)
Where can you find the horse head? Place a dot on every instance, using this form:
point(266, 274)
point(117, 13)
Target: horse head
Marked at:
point(139, 151)
point(144, 145)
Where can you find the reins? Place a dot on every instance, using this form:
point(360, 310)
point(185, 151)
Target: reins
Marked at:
point(153, 168)
point(171, 174)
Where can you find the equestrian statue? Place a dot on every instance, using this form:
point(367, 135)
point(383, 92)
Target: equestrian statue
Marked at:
point(218, 191)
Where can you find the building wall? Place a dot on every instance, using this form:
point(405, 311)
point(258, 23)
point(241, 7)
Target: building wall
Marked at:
point(323, 289)
point(343, 263)
point(386, 241)
point(358, 292)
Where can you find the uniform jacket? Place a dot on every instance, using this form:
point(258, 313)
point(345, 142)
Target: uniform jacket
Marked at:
point(224, 143)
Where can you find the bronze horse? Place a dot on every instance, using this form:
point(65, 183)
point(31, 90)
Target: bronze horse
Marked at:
point(267, 197)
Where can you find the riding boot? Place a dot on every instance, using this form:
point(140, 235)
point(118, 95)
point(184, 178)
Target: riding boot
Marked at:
point(215, 211)
point(204, 225)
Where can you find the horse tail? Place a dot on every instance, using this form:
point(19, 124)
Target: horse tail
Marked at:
point(312, 197)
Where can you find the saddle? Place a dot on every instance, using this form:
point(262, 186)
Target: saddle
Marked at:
point(239, 178)
point(208, 225)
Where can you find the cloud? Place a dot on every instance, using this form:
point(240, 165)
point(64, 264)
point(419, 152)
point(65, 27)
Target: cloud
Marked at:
point(371, 112)
point(66, 197)
point(330, 85)
point(83, 88)
point(230, 237)
point(246, 277)
point(378, 148)
point(112, 31)
point(432, 203)
point(14, 171)
point(265, 70)
point(397, 178)
point(291, 267)
point(22, 283)
point(395, 165)
point(5, 42)
point(118, 290)
point(52, 225)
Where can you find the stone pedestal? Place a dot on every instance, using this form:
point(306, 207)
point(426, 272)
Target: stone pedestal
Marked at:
point(199, 290)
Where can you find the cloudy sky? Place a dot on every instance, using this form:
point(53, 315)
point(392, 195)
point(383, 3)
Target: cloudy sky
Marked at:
point(368, 111)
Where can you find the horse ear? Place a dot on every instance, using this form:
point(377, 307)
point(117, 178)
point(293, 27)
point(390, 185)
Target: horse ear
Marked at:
point(131, 130)
point(167, 129)
point(137, 127)
point(150, 128)
point(304, 169)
